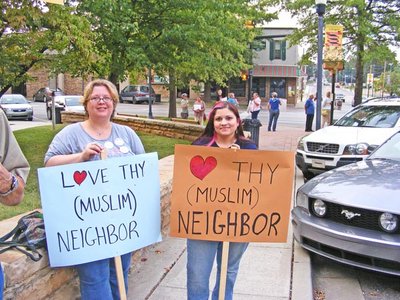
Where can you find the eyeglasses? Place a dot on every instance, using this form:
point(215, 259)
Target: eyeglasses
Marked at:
point(98, 99)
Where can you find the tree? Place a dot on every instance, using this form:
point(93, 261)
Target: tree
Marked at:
point(34, 34)
point(370, 27)
point(187, 40)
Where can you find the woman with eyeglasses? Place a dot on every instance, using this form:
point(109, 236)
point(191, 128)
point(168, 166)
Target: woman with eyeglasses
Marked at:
point(93, 139)
point(223, 130)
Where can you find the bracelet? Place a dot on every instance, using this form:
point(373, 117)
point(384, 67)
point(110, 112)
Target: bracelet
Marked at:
point(13, 187)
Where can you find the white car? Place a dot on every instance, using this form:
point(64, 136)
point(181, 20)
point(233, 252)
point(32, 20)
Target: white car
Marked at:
point(350, 139)
point(15, 106)
point(65, 103)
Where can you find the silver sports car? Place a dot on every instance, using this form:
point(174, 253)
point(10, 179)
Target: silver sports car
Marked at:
point(352, 214)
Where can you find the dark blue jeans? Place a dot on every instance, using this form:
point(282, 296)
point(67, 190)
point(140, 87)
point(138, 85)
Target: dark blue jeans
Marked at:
point(273, 119)
point(98, 279)
point(254, 114)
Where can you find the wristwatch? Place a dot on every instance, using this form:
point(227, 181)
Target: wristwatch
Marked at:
point(13, 187)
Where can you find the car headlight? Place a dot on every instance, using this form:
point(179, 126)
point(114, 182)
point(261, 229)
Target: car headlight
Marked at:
point(7, 109)
point(29, 109)
point(319, 208)
point(300, 145)
point(356, 149)
point(389, 222)
point(302, 200)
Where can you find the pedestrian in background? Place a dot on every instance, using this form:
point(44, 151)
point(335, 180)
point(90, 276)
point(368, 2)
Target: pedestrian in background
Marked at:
point(184, 106)
point(14, 171)
point(87, 141)
point(273, 108)
point(223, 130)
point(309, 108)
point(326, 109)
point(232, 99)
point(221, 96)
point(199, 108)
point(254, 106)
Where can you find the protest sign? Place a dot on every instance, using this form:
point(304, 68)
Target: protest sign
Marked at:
point(100, 209)
point(231, 195)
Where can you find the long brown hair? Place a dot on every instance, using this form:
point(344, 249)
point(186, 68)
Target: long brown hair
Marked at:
point(209, 130)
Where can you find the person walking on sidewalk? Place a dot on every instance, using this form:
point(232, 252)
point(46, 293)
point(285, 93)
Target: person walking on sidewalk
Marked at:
point(309, 108)
point(254, 106)
point(88, 141)
point(223, 130)
point(199, 108)
point(184, 106)
point(273, 108)
point(326, 110)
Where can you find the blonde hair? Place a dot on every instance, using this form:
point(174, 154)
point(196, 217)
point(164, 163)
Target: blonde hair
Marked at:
point(100, 82)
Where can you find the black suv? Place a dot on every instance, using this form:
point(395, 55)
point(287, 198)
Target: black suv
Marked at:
point(44, 94)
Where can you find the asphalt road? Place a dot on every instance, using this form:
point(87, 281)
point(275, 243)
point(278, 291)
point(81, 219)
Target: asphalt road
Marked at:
point(331, 280)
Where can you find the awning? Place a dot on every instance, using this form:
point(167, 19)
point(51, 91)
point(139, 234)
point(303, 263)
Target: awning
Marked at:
point(275, 71)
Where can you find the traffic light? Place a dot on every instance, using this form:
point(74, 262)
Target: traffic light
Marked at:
point(244, 76)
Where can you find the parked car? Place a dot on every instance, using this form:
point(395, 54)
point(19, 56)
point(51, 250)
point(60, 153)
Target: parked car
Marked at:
point(44, 94)
point(349, 139)
point(65, 103)
point(352, 214)
point(15, 106)
point(137, 94)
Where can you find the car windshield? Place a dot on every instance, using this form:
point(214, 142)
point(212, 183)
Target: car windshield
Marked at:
point(389, 150)
point(371, 116)
point(13, 99)
point(73, 101)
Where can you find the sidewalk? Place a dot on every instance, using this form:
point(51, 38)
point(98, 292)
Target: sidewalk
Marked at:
point(267, 271)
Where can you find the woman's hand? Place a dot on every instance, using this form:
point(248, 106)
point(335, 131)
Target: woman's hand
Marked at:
point(91, 150)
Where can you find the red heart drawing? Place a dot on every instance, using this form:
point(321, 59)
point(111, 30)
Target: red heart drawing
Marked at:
point(79, 177)
point(200, 167)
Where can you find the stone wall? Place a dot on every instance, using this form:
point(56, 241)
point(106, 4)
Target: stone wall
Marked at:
point(26, 279)
point(179, 130)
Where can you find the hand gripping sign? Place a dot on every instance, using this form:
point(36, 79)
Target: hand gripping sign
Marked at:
point(231, 195)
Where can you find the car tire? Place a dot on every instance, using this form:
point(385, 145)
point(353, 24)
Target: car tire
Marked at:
point(49, 113)
point(30, 119)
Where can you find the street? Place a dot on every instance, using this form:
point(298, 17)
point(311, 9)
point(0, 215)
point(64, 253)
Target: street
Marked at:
point(329, 278)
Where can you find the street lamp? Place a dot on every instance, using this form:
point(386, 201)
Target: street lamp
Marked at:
point(321, 4)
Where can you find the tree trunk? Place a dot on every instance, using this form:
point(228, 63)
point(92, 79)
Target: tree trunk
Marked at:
point(207, 92)
point(358, 89)
point(172, 95)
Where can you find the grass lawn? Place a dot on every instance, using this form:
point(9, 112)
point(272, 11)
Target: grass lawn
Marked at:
point(34, 143)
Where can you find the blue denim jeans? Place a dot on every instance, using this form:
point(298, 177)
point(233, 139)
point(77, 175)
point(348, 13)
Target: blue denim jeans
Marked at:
point(200, 260)
point(254, 114)
point(273, 119)
point(98, 279)
point(1, 282)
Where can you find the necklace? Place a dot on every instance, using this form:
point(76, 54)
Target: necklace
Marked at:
point(97, 132)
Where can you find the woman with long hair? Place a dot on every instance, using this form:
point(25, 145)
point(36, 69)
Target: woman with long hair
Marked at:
point(223, 130)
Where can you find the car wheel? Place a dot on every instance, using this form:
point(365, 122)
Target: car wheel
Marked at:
point(49, 113)
point(30, 119)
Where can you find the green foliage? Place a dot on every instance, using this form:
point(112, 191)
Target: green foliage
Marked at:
point(35, 34)
point(34, 143)
point(370, 27)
